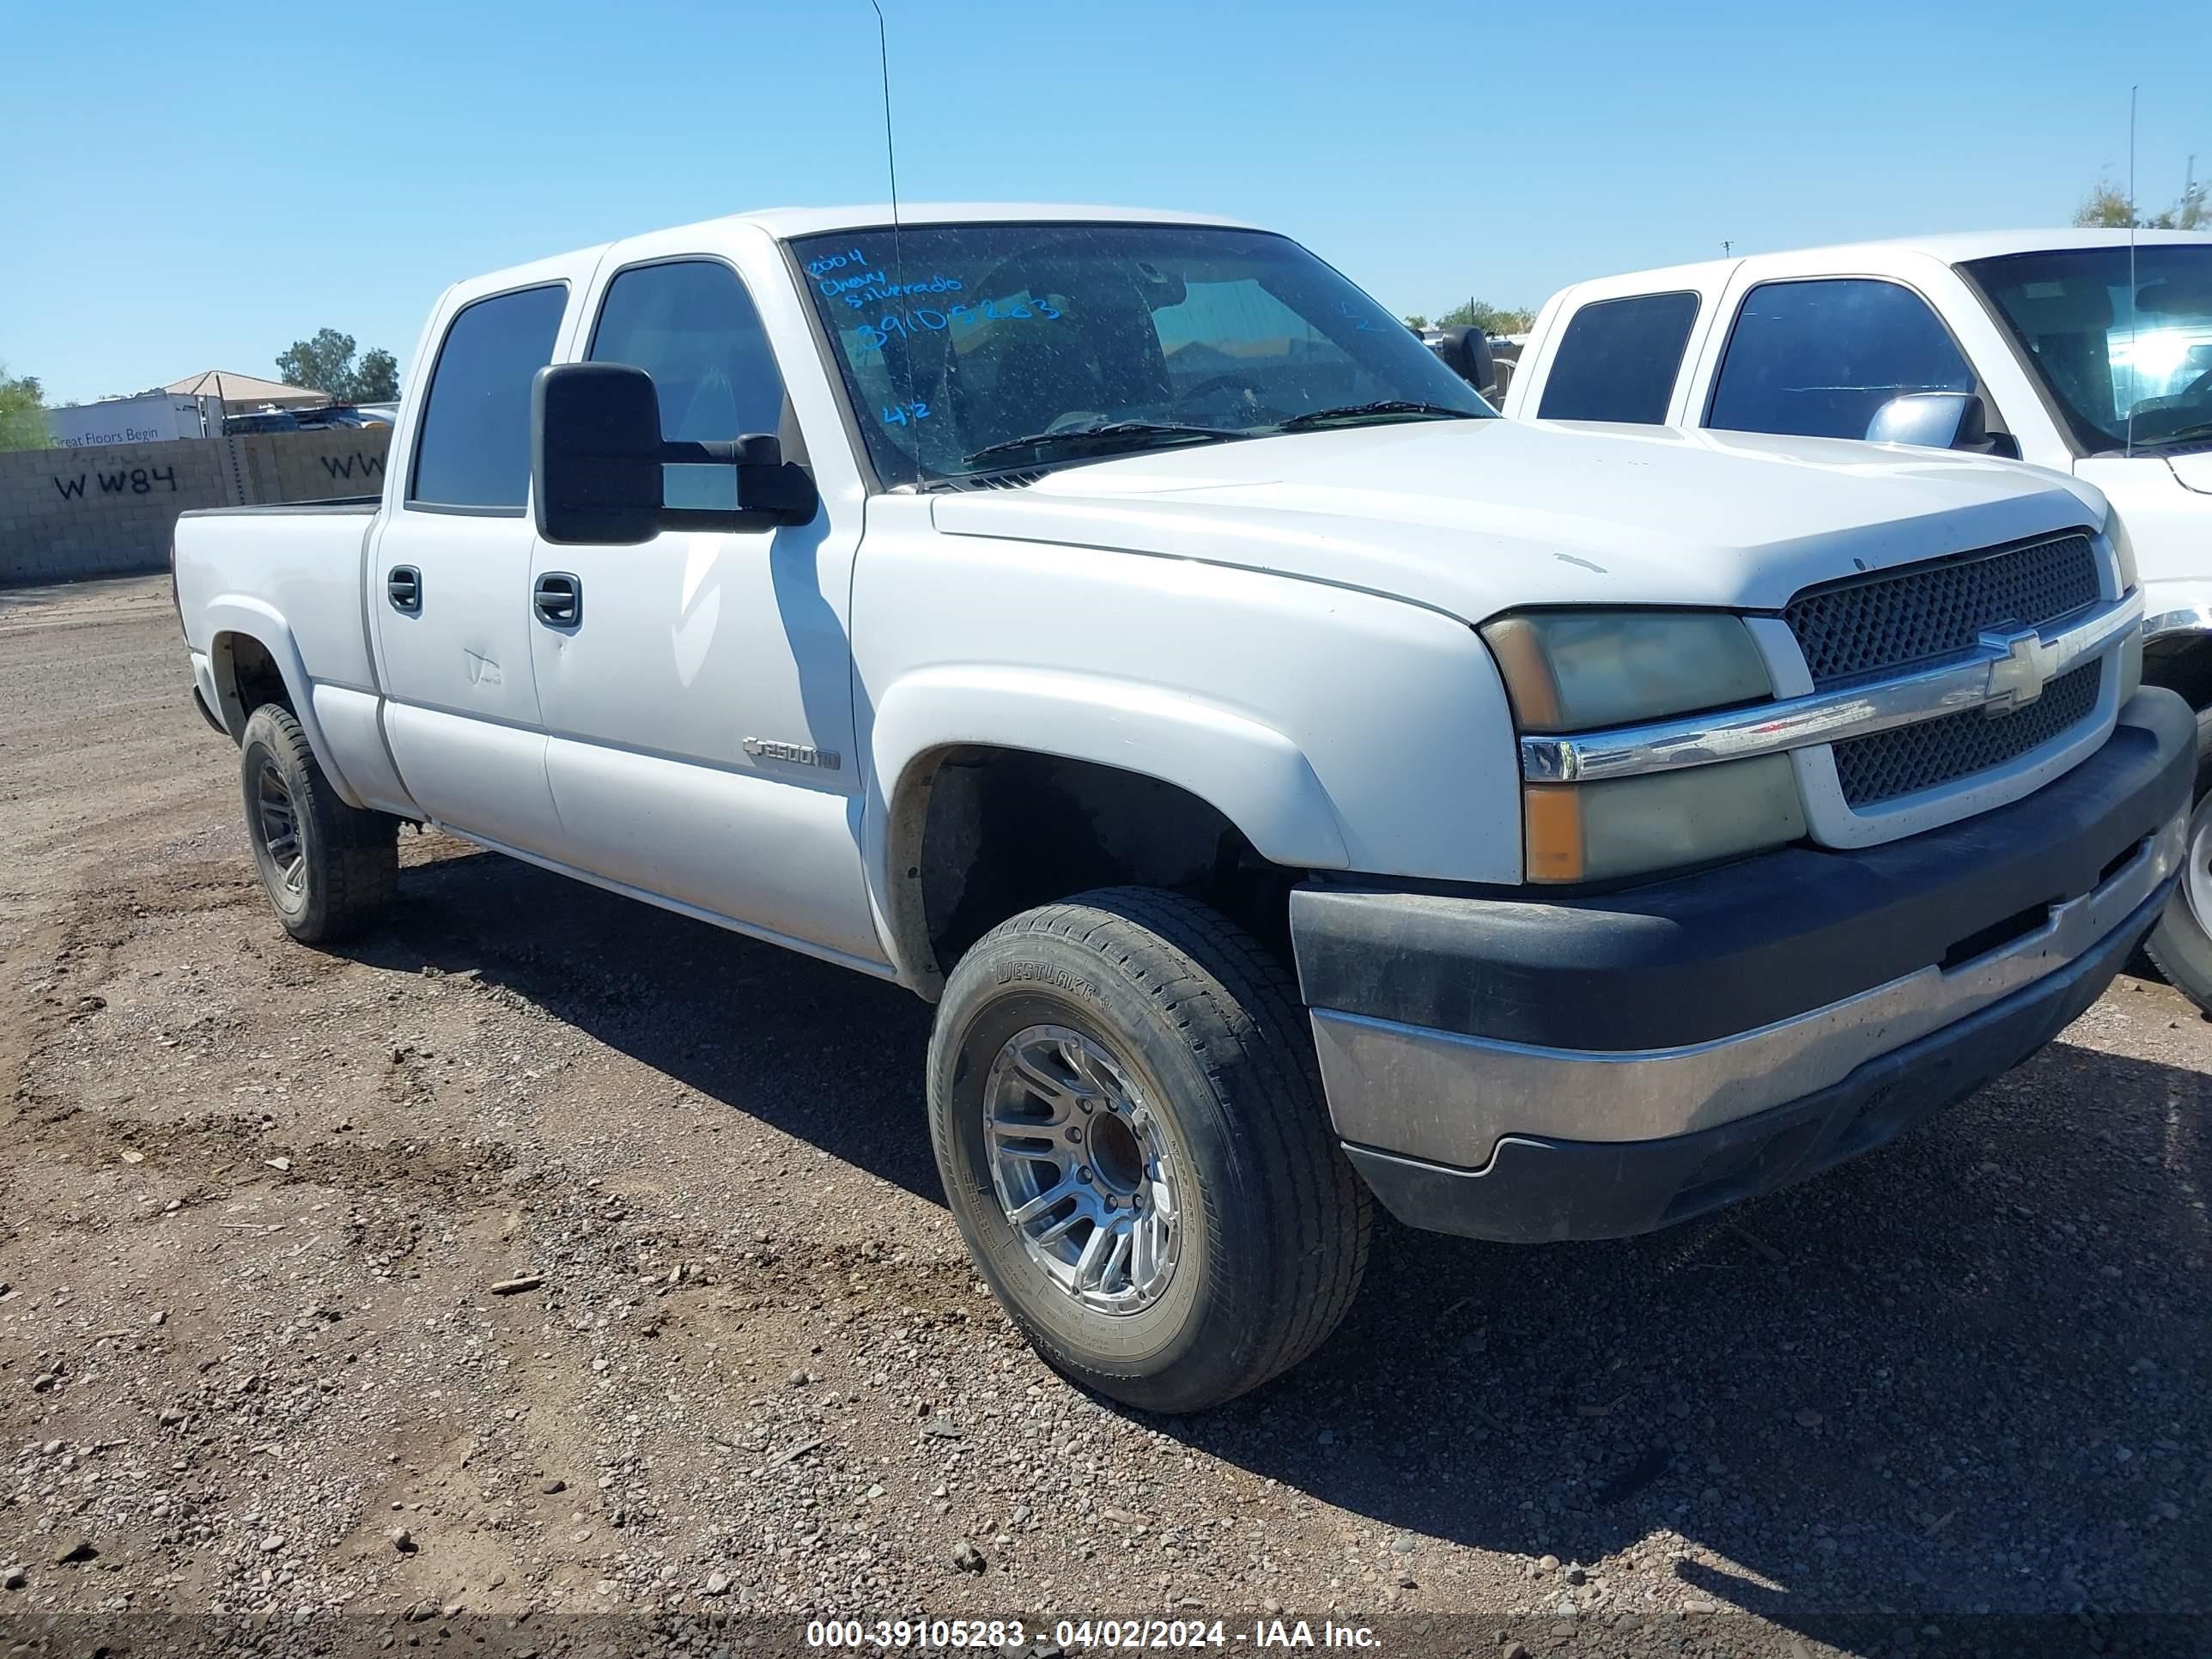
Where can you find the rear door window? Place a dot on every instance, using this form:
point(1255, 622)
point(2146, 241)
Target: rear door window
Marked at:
point(1618, 360)
point(473, 450)
point(1818, 359)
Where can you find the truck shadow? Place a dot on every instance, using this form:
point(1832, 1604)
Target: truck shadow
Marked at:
point(1964, 1373)
point(820, 1052)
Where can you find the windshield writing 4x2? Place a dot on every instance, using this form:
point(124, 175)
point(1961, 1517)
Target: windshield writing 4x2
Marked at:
point(973, 348)
point(2109, 348)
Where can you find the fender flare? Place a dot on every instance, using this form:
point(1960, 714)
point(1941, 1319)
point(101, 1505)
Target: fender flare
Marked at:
point(1253, 775)
point(260, 621)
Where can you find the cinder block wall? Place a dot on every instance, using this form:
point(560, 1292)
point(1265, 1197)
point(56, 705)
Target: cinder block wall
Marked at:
point(70, 512)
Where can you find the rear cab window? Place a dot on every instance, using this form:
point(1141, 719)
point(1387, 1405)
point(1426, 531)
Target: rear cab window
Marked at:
point(1618, 360)
point(472, 447)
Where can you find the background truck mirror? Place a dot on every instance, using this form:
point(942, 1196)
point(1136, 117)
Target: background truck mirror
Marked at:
point(1467, 351)
point(1935, 420)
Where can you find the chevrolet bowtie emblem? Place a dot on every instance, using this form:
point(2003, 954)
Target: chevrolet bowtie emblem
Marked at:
point(2017, 677)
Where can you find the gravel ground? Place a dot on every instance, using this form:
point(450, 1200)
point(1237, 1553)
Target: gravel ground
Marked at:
point(547, 1257)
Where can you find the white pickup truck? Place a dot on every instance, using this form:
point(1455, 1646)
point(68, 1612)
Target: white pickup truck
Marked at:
point(1290, 782)
point(2086, 351)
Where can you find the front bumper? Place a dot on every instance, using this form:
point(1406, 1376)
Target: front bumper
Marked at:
point(2175, 608)
point(1594, 1067)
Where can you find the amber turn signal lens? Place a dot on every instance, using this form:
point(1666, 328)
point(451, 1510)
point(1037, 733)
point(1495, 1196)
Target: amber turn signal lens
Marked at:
point(1551, 818)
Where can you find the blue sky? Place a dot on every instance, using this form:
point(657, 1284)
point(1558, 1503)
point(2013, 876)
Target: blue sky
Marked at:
point(195, 186)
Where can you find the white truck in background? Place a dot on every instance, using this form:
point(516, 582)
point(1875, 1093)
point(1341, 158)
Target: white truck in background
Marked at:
point(2086, 351)
point(1293, 784)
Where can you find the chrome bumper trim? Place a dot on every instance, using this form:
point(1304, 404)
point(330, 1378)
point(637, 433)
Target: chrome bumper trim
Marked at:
point(1448, 1099)
point(1992, 678)
point(2171, 608)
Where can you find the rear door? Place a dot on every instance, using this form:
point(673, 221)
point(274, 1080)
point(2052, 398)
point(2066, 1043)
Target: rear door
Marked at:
point(449, 576)
point(698, 699)
point(1618, 360)
point(1619, 348)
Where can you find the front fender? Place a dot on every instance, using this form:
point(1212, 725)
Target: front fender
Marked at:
point(242, 615)
point(1251, 774)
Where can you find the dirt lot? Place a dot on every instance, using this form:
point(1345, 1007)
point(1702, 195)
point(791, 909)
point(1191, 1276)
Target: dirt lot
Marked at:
point(256, 1203)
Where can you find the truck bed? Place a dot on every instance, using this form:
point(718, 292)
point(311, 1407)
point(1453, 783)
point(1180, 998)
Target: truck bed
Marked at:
point(235, 566)
point(340, 504)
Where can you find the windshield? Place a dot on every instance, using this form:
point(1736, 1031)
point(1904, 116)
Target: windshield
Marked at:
point(958, 342)
point(2102, 357)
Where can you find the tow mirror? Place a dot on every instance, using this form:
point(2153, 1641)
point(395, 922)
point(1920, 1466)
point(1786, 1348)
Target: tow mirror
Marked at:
point(1939, 420)
point(1466, 351)
point(597, 455)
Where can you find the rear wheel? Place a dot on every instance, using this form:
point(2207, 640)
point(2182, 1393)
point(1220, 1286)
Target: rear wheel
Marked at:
point(1125, 1112)
point(329, 869)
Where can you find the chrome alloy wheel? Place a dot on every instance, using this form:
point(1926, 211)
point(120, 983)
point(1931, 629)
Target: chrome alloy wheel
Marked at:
point(276, 822)
point(1083, 1169)
point(2196, 874)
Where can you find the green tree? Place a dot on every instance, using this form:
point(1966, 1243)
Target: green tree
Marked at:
point(377, 380)
point(22, 412)
point(1491, 319)
point(1416, 322)
point(325, 364)
point(2107, 206)
point(322, 364)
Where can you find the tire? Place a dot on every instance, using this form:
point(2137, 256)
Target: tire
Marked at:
point(336, 874)
point(1177, 1043)
point(2180, 946)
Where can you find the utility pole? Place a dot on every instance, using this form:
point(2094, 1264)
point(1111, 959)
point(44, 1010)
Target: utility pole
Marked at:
point(1726, 247)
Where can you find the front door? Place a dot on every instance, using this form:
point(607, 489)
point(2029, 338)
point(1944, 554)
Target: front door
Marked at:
point(698, 701)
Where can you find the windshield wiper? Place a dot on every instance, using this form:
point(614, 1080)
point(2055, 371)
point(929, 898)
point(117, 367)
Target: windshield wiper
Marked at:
point(1114, 434)
point(1382, 407)
point(2187, 435)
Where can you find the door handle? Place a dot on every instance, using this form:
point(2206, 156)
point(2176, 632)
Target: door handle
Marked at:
point(405, 588)
point(559, 599)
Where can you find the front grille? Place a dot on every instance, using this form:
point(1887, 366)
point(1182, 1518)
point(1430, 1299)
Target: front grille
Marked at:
point(1868, 625)
point(1911, 758)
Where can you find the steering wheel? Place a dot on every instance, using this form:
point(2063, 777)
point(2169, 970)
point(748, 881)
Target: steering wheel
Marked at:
point(1246, 404)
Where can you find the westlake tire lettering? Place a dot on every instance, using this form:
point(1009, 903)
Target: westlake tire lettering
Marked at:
point(1046, 973)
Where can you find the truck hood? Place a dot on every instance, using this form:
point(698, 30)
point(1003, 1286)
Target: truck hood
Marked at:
point(2194, 469)
point(1473, 517)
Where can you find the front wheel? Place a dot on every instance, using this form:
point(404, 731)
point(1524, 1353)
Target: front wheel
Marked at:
point(1125, 1112)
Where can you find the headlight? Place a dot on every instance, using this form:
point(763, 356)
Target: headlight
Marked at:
point(2124, 551)
point(1630, 826)
point(1573, 670)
